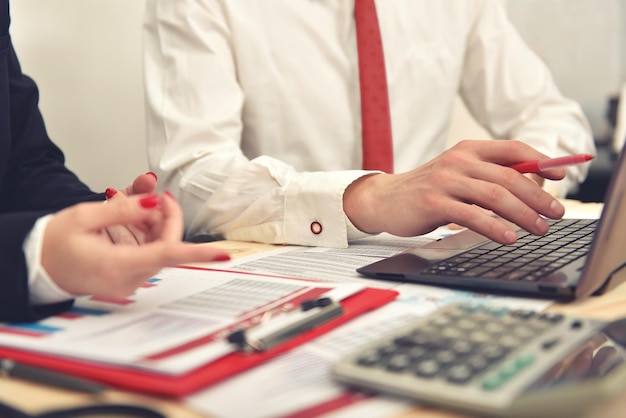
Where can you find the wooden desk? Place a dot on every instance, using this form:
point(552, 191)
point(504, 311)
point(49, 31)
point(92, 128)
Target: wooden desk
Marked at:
point(35, 398)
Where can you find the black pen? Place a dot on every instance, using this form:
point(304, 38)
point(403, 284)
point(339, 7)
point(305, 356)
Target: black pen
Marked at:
point(48, 377)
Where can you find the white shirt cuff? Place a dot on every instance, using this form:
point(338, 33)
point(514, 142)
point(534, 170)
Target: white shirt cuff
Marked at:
point(42, 289)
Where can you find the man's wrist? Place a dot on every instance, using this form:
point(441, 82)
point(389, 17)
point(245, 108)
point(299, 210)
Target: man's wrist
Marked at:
point(358, 202)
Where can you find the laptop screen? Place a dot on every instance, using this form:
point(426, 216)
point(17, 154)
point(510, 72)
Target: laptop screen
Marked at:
point(605, 264)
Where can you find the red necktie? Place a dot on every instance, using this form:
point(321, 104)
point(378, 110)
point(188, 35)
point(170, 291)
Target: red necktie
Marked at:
point(375, 117)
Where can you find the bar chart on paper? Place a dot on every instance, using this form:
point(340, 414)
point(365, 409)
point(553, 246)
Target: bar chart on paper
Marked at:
point(175, 322)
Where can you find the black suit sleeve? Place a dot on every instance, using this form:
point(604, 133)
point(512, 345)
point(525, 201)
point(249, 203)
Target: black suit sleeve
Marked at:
point(33, 179)
point(14, 303)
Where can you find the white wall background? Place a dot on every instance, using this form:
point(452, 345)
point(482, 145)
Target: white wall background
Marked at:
point(584, 44)
point(86, 58)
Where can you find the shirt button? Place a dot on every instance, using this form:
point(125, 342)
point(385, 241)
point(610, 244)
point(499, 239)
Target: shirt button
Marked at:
point(316, 227)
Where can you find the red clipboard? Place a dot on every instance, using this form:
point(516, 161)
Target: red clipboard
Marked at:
point(211, 373)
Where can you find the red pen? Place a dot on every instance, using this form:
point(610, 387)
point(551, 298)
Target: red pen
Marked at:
point(542, 165)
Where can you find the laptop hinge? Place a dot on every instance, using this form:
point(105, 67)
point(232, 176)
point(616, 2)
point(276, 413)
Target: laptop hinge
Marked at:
point(617, 277)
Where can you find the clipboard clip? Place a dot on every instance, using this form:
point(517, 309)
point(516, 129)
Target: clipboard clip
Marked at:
point(269, 334)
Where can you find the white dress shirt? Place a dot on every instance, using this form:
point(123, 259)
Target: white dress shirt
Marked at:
point(254, 110)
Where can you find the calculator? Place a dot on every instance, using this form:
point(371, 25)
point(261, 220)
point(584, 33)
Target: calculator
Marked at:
point(494, 361)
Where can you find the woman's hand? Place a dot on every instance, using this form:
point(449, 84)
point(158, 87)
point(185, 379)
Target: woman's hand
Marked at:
point(80, 258)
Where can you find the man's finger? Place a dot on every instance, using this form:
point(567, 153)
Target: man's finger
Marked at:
point(173, 225)
point(120, 234)
point(144, 183)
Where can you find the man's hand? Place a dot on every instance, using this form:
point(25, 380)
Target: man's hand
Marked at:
point(144, 183)
point(127, 234)
point(456, 187)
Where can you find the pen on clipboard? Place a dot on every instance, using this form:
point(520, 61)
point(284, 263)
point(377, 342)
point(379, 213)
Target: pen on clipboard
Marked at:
point(286, 326)
point(542, 165)
point(48, 377)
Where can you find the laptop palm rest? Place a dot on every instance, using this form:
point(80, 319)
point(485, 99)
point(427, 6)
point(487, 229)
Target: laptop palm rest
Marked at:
point(417, 259)
point(463, 240)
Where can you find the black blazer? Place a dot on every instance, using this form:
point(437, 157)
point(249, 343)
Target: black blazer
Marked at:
point(33, 179)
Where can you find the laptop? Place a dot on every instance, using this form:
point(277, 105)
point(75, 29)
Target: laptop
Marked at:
point(577, 258)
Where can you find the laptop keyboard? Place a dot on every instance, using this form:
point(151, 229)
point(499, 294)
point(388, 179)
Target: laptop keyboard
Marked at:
point(530, 258)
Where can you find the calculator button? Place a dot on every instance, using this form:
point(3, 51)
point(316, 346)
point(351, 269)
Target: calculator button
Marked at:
point(387, 350)
point(427, 368)
point(540, 325)
point(510, 320)
point(498, 311)
point(445, 357)
point(509, 341)
point(479, 337)
point(507, 371)
point(425, 340)
point(417, 353)
point(470, 307)
point(547, 345)
point(524, 333)
point(494, 328)
point(477, 362)
point(522, 313)
point(524, 361)
point(493, 352)
point(576, 324)
point(398, 363)
point(466, 324)
point(408, 341)
point(456, 314)
point(369, 359)
point(441, 321)
point(493, 382)
point(462, 347)
point(551, 317)
point(482, 318)
point(460, 373)
point(425, 327)
point(452, 333)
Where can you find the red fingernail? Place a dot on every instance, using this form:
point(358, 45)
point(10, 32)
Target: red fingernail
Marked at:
point(222, 257)
point(149, 202)
point(153, 175)
point(109, 193)
point(169, 194)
